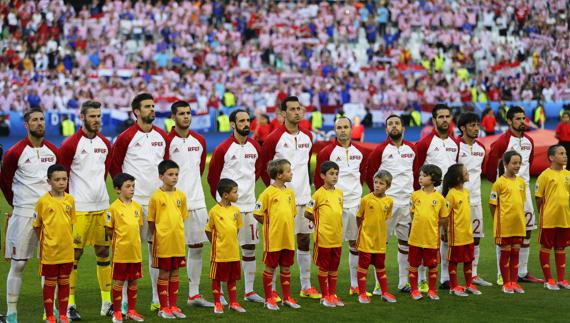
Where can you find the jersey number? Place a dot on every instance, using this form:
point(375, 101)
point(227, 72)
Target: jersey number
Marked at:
point(528, 217)
point(477, 226)
point(254, 232)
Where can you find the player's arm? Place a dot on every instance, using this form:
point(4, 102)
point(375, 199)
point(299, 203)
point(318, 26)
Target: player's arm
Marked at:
point(118, 152)
point(67, 152)
point(267, 154)
point(322, 156)
point(495, 154)
point(373, 164)
point(215, 170)
point(9, 167)
point(37, 223)
point(312, 206)
point(260, 208)
point(310, 216)
point(151, 216)
point(209, 227)
point(360, 213)
point(494, 199)
point(420, 149)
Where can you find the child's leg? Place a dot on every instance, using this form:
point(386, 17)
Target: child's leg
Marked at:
point(173, 288)
point(414, 260)
point(63, 293)
point(333, 278)
point(468, 273)
point(363, 264)
point(452, 267)
point(323, 278)
point(413, 277)
point(545, 263)
point(514, 262)
point(504, 263)
point(445, 271)
point(162, 287)
point(333, 270)
point(268, 281)
point(432, 278)
point(216, 290)
point(498, 251)
point(379, 266)
point(560, 259)
point(232, 291)
point(117, 294)
point(132, 292)
point(285, 282)
point(49, 295)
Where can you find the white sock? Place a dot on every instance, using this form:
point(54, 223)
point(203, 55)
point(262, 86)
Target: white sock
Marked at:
point(304, 260)
point(194, 270)
point(422, 273)
point(14, 285)
point(444, 276)
point(402, 266)
point(274, 280)
point(523, 258)
point(476, 253)
point(125, 296)
point(249, 268)
point(353, 268)
point(153, 276)
point(498, 252)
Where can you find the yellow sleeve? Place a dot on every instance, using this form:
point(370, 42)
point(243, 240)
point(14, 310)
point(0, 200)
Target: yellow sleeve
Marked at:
point(444, 210)
point(313, 203)
point(210, 225)
point(361, 209)
point(73, 215)
point(390, 207)
point(523, 192)
point(494, 196)
point(139, 208)
point(239, 220)
point(539, 186)
point(413, 207)
point(261, 205)
point(293, 204)
point(38, 214)
point(183, 206)
point(152, 209)
point(450, 199)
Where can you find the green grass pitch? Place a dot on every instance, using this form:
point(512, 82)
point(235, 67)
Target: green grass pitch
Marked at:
point(537, 304)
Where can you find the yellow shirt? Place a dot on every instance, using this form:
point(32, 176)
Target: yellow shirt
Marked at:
point(326, 206)
point(427, 209)
point(55, 217)
point(168, 210)
point(460, 227)
point(374, 212)
point(224, 223)
point(126, 221)
point(508, 195)
point(277, 207)
point(554, 189)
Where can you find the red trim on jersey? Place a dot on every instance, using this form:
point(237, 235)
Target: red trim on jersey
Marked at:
point(325, 154)
point(200, 139)
point(375, 159)
point(421, 148)
point(498, 148)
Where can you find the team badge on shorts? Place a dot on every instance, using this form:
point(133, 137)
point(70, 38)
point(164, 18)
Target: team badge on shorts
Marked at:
point(258, 206)
point(494, 196)
point(109, 216)
point(311, 204)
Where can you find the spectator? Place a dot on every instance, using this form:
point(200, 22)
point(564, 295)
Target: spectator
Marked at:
point(223, 122)
point(562, 133)
point(488, 122)
point(263, 129)
point(67, 126)
point(357, 130)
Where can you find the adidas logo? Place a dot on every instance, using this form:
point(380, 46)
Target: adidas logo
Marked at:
point(285, 145)
point(27, 161)
point(390, 156)
point(83, 152)
point(338, 159)
point(436, 149)
point(137, 144)
point(176, 150)
point(234, 157)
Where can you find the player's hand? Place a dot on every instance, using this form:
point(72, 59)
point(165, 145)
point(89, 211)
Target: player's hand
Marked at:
point(77, 240)
point(444, 236)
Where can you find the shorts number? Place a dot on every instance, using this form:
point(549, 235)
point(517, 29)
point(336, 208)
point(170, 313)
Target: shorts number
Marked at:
point(254, 232)
point(528, 217)
point(477, 226)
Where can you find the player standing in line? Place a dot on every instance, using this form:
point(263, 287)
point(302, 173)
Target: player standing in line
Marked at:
point(276, 210)
point(552, 194)
point(53, 222)
point(188, 149)
point(167, 211)
point(441, 149)
point(325, 211)
point(86, 156)
point(472, 154)
point(506, 204)
point(351, 160)
point(224, 222)
point(123, 223)
point(396, 156)
point(294, 144)
point(23, 182)
point(516, 139)
point(138, 151)
point(238, 158)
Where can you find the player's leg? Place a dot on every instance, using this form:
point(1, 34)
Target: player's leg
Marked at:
point(334, 262)
point(153, 271)
point(102, 243)
point(380, 271)
point(117, 297)
point(195, 239)
point(303, 229)
point(215, 275)
point(248, 237)
point(268, 272)
point(132, 294)
point(530, 220)
point(562, 241)
point(285, 261)
point(49, 286)
point(444, 276)
point(163, 265)
point(478, 233)
point(364, 259)
point(173, 287)
point(514, 263)
point(414, 259)
point(322, 259)
point(546, 239)
point(505, 255)
point(80, 230)
point(63, 288)
point(498, 254)
point(349, 233)
point(402, 231)
point(430, 258)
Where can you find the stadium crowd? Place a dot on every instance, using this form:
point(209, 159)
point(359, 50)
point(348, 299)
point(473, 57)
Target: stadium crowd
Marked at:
point(383, 54)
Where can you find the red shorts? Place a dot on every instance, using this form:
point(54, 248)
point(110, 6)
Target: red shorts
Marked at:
point(465, 253)
point(327, 259)
point(426, 256)
point(508, 241)
point(127, 271)
point(283, 258)
point(170, 263)
point(366, 259)
point(554, 237)
point(56, 270)
point(225, 271)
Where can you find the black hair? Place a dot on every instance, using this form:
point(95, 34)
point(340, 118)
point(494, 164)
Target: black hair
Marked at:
point(29, 112)
point(434, 172)
point(467, 118)
point(288, 99)
point(394, 116)
point(514, 110)
point(439, 106)
point(89, 104)
point(226, 185)
point(55, 168)
point(178, 104)
point(326, 166)
point(234, 113)
point(552, 149)
point(275, 167)
point(136, 104)
point(166, 165)
point(385, 176)
point(121, 178)
point(452, 178)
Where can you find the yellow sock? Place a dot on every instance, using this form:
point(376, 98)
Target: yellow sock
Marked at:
point(72, 284)
point(104, 277)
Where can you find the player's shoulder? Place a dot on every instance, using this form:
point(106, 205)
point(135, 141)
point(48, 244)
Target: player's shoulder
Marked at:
point(307, 133)
point(46, 198)
point(68, 197)
point(50, 146)
point(274, 136)
point(18, 148)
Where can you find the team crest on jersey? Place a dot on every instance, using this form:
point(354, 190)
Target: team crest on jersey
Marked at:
point(258, 206)
point(521, 188)
point(109, 216)
point(434, 202)
point(494, 196)
point(178, 203)
point(385, 208)
point(235, 216)
point(311, 204)
point(35, 215)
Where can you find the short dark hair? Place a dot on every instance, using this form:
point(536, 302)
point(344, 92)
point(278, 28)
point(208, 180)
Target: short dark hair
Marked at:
point(178, 104)
point(452, 178)
point(344, 117)
point(467, 118)
point(121, 178)
point(434, 172)
point(439, 106)
point(166, 165)
point(89, 104)
point(326, 166)
point(514, 110)
point(55, 168)
point(226, 185)
point(552, 149)
point(291, 98)
point(234, 113)
point(509, 155)
point(394, 116)
point(275, 167)
point(385, 176)
point(29, 112)
point(136, 104)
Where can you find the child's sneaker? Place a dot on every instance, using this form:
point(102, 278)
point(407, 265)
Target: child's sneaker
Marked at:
point(424, 287)
point(432, 294)
point(223, 300)
point(327, 302)
point(458, 291)
point(337, 301)
point(363, 299)
point(310, 293)
point(165, 313)
point(134, 316)
point(177, 312)
point(106, 309)
point(477, 280)
point(51, 319)
point(236, 307)
point(275, 295)
point(253, 297)
point(218, 308)
point(271, 304)
point(63, 319)
point(517, 288)
point(551, 285)
point(291, 302)
point(416, 295)
point(564, 284)
point(198, 300)
point(153, 307)
point(508, 289)
point(355, 291)
point(388, 297)
point(117, 317)
point(500, 280)
point(473, 290)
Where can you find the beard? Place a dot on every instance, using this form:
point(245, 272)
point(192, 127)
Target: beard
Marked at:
point(89, 128)
point(441, 129)
point(395, 136)
point(148, 119)
point(37, 133)
point(244, 131)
